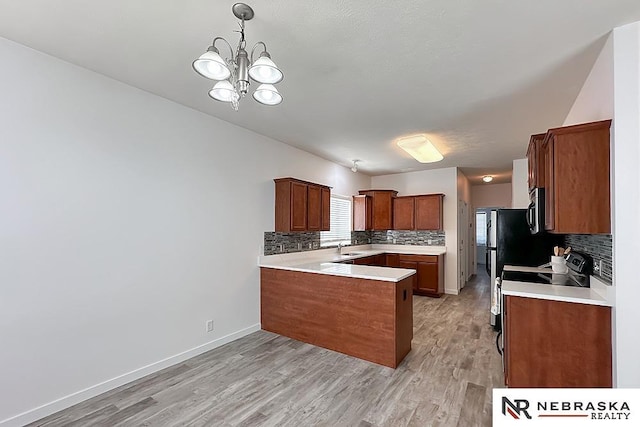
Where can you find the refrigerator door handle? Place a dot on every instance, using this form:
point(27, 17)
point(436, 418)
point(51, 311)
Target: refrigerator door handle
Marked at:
point(530, 218)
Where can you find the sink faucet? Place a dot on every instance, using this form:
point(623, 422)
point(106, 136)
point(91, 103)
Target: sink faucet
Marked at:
point(340, 248)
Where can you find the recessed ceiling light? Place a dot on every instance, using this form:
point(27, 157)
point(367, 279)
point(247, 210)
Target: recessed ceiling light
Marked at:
point(487, 178)
point(420, 148)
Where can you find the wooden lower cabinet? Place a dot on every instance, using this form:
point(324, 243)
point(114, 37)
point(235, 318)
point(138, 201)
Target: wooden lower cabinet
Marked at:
point(429, 280)
point(375, 260)
point(368, 319)
point(429, 277)
point(391, 260)
point(556, 344)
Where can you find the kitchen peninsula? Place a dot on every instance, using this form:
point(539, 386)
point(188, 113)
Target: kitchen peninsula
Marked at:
point(320, 298)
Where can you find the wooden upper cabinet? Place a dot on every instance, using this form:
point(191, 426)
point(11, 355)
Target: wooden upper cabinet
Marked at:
point(535, 157)
point(577, 183)
point(428, 210)
point(326, 209)
point(418, 212)
point(382, 207)
point(300, 205)
point(362, 213)
point(314, 208)
point(404, 213)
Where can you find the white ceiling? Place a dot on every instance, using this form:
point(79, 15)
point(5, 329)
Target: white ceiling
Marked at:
point(479, 77)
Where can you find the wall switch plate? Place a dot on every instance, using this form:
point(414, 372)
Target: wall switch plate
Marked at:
point(429, 241)
point(209, 325)
point(394, 241)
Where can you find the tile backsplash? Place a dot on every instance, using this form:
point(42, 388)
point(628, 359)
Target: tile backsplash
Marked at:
point(277, 243)
point(401, 237)
point(597, 246)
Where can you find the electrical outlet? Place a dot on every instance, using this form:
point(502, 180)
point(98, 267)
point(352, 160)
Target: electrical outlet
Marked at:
point(429, 241)
point(209, 325)
point(600, 267)
point(394, 241)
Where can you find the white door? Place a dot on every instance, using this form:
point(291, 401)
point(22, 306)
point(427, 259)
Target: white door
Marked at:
point(463, 230)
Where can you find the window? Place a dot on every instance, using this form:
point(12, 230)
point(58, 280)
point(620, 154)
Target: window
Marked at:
point(481, 229)
point(340, 231)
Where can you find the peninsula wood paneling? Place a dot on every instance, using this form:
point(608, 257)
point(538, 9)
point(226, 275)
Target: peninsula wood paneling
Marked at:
point(368, 319)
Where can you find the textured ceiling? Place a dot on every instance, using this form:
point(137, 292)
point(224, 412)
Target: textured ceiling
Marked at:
point(477, 77)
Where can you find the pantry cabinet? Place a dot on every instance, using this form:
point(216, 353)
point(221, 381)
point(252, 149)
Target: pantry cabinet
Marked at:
point(301, 206)
point(577, 184)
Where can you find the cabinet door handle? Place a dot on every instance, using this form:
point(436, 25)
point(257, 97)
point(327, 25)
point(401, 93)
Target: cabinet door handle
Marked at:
point(404, 295)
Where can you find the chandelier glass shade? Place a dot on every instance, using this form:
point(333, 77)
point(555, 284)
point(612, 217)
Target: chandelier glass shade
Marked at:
point(267, 94)
point(211, 65)
point(235, 71)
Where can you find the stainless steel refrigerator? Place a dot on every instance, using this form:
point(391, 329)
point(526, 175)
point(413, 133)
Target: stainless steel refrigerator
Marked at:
point(510, 242)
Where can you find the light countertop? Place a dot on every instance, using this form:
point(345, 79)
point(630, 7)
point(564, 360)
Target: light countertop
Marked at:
point(327, 261)
point(599, 293)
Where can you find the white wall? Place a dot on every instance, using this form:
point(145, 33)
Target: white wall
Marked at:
point(612, 90)
point(520, 184)
point(626, 202)
point(595, 100)
point(491, 195)
point(427, 182)
point(126, 222)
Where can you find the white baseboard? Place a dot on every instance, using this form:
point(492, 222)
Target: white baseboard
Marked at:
point(446, 291)
point(82, 395)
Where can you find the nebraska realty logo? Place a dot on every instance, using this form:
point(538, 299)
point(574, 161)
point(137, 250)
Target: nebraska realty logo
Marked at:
point(565, 406)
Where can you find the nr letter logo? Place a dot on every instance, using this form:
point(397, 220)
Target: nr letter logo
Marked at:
point(516, 409)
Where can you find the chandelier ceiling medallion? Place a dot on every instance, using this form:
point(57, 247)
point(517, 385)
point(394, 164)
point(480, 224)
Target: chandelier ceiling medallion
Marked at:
point(233, 72)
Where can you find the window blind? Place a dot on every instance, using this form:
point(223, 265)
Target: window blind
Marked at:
point(340, 230)
point(481, 228)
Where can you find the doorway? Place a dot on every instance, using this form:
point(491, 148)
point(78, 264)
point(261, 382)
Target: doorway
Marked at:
point(463, 238)
point(481, 238)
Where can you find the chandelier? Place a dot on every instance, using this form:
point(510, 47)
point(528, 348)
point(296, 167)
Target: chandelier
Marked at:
point(233, 72)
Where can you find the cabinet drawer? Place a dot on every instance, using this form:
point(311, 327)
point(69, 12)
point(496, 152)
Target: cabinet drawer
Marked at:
point(419, 258)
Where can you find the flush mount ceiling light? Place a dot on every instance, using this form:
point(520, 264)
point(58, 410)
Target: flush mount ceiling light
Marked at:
point(420, 148)
point(233, 72)
point(354, 168)
point(487, 178)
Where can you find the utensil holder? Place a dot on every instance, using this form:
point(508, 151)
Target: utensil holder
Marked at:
point(559, 265)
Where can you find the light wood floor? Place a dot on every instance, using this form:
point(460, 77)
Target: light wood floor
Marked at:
point(267, 380)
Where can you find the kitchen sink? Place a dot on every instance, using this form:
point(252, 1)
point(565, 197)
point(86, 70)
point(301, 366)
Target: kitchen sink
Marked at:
point(353, 254)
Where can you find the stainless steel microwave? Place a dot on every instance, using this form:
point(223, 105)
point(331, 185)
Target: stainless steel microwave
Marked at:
point(535, 213)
